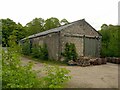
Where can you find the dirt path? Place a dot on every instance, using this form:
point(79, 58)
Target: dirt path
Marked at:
point(102, 76)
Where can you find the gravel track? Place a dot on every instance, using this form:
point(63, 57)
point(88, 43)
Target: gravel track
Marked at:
point(100, 76)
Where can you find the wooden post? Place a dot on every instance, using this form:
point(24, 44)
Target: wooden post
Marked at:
point(84, 45)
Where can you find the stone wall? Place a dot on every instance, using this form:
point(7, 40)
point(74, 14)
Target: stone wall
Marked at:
point(78, 41)
point(52, 42)
point(82, 28)
point(74, 33)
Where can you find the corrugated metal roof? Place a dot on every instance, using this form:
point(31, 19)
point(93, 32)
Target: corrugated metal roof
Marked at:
point(52, 30)
point(57, 30)
point(48, 31)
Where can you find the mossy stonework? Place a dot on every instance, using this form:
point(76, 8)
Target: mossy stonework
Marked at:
point(85, 38)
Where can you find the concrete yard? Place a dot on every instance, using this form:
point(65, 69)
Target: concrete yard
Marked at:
point(100, 76)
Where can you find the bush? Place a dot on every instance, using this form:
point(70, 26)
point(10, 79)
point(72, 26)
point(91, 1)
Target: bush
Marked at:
point(44, 52)
point(26, 48)
point(16, 75)
point(40, 52)
point(0, 66)
point(70, 52)
point(56, 76)
point(36, 51)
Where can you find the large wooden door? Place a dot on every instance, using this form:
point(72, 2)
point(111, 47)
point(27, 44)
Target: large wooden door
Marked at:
point(91, 47)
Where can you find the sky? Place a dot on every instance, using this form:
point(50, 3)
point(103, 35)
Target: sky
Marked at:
point(95, 12)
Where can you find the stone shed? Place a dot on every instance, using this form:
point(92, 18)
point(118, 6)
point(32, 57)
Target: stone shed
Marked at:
point(86, 39)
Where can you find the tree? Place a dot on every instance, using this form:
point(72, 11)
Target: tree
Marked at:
point(104, 27)
point(35, 26)
point(0, 37)
point(8, 26)
point(19, 32)
point(110, 40)
point(51, 23)
point(64, 22)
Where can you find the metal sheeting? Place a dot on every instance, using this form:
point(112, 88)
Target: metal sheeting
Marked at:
point(91, 47)
point(48, 31)
point(87, 29)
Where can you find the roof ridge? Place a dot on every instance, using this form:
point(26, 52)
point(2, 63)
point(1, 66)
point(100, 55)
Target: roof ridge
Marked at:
point(57, 29)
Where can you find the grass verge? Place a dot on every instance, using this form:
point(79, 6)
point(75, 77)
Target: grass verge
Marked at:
point(50, 62)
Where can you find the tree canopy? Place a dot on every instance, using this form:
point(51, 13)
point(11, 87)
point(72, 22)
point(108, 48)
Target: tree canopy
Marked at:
point(51, 23)
point(9, 27)
point(35, 26)
point(39, 25)
point(110, 40)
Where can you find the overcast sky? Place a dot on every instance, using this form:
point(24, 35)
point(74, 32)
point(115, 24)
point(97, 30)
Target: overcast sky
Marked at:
point(95, 12)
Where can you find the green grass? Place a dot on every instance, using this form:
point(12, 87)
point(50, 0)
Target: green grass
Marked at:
point(50, 62)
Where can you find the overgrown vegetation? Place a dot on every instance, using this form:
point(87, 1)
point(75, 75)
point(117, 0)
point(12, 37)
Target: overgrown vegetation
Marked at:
point(110, 41)
point(70, 52)
point(0, 66)
point(9, 27)
point(40, 52)
point(26, 48)
point(56, 76)
point(17, 75)
point(36, 51)
point(14, 74)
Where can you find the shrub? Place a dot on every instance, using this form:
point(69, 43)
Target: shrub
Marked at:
point(26, 48)
point(44, 52)
point(0, 66)
point(16, 75)
point(36, 51)
point(40, 52)
point(70, 52)
point(56, 76)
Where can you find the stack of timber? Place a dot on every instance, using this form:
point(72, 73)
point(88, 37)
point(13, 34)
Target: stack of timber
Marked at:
point(98, 61)
point(87, 61)
point(72, 63)
point(115, 60)
point(83, 61)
